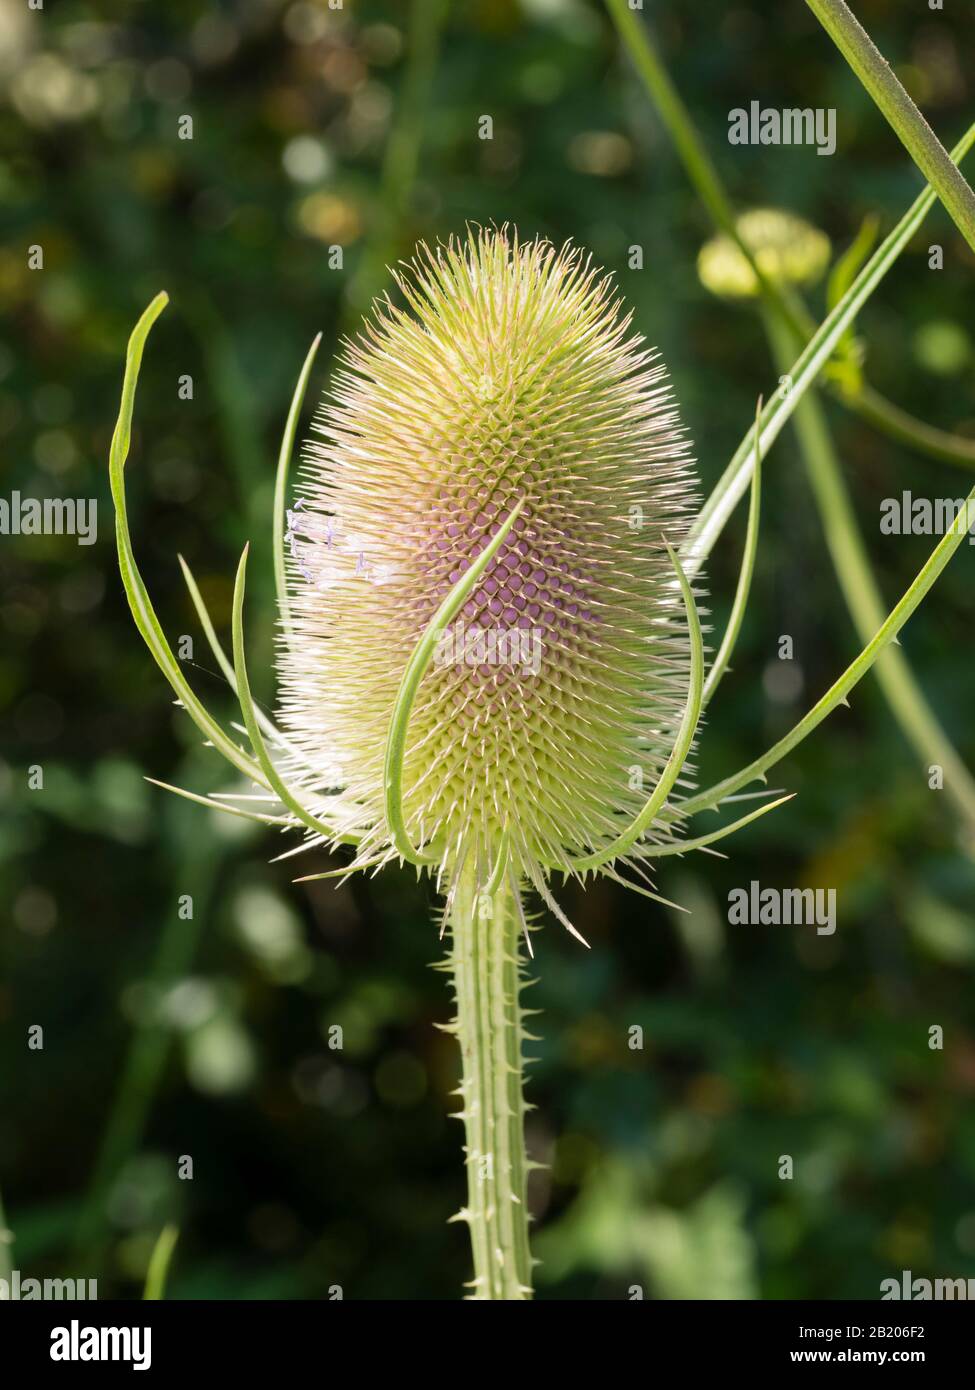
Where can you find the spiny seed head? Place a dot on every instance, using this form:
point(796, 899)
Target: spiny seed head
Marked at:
point(787, 250)
point(553, 699)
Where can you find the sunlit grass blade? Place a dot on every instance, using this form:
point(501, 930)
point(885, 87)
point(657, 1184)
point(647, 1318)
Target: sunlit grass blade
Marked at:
point(857, 669)
point(720, 663)
point(159, 1262)
point(6, 1246)
point(271, 774)
point(135, 589)
point(281, 482)
point(682, 743)
point(416, 668)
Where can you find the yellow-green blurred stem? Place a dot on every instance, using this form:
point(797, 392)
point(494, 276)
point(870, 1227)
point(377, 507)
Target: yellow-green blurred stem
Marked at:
point(6, 1243)
point(485, 931)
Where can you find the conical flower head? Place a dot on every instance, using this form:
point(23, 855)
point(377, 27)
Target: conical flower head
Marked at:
point(551, 704)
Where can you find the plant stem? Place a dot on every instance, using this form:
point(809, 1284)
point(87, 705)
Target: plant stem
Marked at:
point(730, 487)
point(840, 689)
point(863, 598)
point(6, 1246)
point(677, 119)
point(897, 424)
point(917, 137)
point(485, 932)
point(402, 156)
point(791, 323)
point(869, 404)
point(159, 1262)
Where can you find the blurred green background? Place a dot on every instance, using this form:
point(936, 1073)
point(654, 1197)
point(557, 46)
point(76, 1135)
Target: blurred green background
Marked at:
point(168, 1035)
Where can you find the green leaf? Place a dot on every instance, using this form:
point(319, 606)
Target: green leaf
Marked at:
point(702, 841)
point(213, 641)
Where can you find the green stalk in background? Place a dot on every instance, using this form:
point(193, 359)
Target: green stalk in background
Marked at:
point(863, 598)
point(6, 1245)
point(906, 429)
point(402, 157)
point(807, 367)
point(159, 1262)
point(836, 695)
point(917, 137)
point(676, 118)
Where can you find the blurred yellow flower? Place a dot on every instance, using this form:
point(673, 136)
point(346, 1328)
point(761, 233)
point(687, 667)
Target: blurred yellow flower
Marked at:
point(786, 249)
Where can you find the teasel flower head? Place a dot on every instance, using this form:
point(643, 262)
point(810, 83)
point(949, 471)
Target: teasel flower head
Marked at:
point(785, 248)
point(510, 378)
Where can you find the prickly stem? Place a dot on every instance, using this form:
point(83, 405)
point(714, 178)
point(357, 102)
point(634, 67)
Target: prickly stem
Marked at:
point(485, 931)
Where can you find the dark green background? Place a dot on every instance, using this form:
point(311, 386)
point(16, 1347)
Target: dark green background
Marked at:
point(208, 1037)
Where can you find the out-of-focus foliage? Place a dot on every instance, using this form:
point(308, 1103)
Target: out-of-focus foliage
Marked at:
point(208, 1029)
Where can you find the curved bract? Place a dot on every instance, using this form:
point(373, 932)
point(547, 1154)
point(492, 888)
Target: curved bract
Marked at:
point(641, 823)
point(274, 779)
point(138, 596)
point(416, 668)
